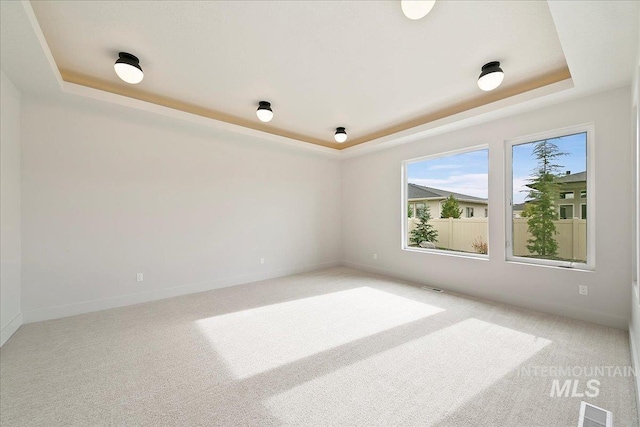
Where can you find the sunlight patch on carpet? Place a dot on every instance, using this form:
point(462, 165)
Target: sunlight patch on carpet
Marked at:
point(423, 379)
point(260, 339)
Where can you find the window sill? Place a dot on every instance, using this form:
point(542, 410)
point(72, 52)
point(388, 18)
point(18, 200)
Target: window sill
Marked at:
point(576, 267)
point(448, 253)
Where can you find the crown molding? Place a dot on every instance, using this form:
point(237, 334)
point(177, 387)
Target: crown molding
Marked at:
point(485, 107)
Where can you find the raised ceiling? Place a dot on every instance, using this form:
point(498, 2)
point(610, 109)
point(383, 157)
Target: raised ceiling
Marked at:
point(321, 64)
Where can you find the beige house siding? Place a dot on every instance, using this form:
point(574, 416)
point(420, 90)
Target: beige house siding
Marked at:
point(574, 188)
point(579, 199)
point(480, 210)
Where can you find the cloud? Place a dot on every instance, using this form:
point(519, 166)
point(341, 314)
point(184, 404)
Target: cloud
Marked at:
point(474, 184)
point(520, 188)
point(440, 167)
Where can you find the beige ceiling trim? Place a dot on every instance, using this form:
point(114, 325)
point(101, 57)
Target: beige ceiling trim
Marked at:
point(486, 98)
point(83, 80)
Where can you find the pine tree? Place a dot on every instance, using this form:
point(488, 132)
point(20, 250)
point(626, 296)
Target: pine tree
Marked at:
point(542, 194)
point(527, 211)
point(424, 231)
point(451, 208)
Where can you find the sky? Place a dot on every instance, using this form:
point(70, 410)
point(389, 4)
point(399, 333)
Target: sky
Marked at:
point(575, 160)
point(467, 173)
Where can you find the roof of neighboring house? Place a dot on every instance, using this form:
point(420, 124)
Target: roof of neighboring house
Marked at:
point(574, 177)
point(519, 206)
point(421, 192)
point(568, 179)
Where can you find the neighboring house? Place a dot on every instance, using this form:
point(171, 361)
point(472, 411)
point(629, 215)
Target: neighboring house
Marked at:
point(572, 201)
point(518, 209)
point(420, 196)
point(572, 198)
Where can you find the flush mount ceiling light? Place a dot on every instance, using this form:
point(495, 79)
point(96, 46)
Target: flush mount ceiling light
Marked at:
point(416, 9)
point(491, 76)
point(264, 113)
point(128, 68)
point(340, 135)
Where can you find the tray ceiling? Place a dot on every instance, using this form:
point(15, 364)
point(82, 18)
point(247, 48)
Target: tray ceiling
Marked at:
point(321, 64)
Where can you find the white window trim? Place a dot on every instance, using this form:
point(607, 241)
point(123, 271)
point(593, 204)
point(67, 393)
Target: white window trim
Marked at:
point(404, 244)
point(636, 104)
point(572, 210)
point(591, 204)
point(581, 205)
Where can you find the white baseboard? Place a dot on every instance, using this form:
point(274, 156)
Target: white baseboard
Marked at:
point(528, 303)
point(57, 312)
point(10, 329)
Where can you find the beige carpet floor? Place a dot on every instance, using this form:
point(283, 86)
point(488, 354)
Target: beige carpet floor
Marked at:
point(333, 347)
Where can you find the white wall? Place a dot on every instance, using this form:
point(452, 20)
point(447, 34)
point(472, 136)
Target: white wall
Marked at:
point(371, 216)
point(10, 314)
point(108, 192)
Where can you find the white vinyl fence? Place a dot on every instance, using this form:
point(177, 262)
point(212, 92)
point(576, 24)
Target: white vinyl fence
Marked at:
point(459, 235)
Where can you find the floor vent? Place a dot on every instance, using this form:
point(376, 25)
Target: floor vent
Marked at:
point(429, 288)
point(592, 416)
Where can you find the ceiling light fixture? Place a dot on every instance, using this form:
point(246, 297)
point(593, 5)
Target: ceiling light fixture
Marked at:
point(341, 135)
point(416, 9)
point(264, 112)
point(128, 68)
point(491, 76)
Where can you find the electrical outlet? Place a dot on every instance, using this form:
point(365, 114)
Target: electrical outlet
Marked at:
point(139, 277)
point(583, 290)
point(375, 256)
point(261, 260)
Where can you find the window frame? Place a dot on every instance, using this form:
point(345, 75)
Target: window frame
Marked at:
point(566, 193)
point(587, 128)
point(635, 274)
point(573, 214)
point(404, 242)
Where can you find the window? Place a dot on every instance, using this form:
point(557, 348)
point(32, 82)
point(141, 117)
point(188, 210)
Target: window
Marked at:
point(548, 230)
point(446, 189)
point(565, 211)
point(566, 195)
point(486, 213)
